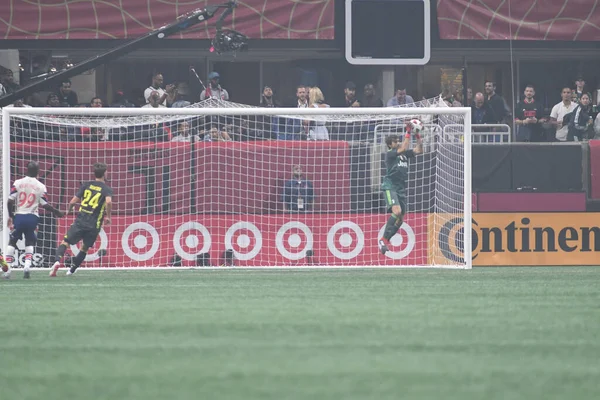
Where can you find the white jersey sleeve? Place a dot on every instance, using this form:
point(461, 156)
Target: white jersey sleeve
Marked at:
point(554, 112)
point(28, 194)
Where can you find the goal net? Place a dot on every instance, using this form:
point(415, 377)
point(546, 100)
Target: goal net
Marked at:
point(224, 184)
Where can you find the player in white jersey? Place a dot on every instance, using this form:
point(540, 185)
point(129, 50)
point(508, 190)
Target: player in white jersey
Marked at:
point(26, 196)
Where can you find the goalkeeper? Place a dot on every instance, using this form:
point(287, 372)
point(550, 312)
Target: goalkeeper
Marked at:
point(396, 180)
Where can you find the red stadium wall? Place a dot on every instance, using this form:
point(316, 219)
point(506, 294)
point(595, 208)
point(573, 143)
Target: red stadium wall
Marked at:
point(256, 172)
point(156, 178)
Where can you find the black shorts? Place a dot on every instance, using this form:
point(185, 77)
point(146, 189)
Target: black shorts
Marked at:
point(79, 231)
point(393, 198)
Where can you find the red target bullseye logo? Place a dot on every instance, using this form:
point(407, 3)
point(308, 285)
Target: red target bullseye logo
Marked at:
point(245, 239)
point(140, 241)
point(191, 239)
point(293, 240)
point(402, 243)
point(345, 240)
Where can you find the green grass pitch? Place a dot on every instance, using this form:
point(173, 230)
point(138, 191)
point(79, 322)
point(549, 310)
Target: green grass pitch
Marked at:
point(489, 333)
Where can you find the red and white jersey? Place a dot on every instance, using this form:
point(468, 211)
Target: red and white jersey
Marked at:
point(28, 194)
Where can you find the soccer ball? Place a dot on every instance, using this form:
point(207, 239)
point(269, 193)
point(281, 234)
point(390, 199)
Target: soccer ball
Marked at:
point(416, 126)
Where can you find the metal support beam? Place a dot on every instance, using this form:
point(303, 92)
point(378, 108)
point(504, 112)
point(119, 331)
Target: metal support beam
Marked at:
point(388, 89)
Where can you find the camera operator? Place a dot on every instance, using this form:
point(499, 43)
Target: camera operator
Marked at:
point(214, 89)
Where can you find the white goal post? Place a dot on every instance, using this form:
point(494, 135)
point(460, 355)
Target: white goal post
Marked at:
point(215, 185)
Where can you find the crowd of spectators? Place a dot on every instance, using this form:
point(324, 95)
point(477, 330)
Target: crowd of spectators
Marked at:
point(574, 118)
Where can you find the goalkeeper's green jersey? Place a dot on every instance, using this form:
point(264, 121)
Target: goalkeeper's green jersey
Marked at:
point(396, 177)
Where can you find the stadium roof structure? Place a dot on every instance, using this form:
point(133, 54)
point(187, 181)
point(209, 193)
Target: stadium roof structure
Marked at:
point(182, 23)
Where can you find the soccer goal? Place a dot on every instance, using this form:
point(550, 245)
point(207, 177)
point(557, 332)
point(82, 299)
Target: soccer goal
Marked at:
point(223, 184)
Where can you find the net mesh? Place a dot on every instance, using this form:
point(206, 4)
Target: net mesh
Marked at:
point(200, 190)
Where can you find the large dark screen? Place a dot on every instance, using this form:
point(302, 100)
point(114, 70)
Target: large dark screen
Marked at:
point(388, 29)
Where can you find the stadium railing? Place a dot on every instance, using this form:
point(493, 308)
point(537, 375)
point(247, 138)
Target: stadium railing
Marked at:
point(483, 133)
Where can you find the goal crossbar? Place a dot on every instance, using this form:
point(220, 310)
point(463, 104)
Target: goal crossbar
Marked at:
point(113, 112)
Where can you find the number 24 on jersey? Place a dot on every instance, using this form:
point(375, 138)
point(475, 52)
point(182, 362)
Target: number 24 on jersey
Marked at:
point(90, 199)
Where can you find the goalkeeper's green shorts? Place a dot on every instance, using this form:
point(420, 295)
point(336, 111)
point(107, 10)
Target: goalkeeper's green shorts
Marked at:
point(394, 198)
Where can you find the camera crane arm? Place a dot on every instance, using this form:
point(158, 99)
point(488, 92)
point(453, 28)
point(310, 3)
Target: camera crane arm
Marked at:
point(184, 22)
point(228, 11)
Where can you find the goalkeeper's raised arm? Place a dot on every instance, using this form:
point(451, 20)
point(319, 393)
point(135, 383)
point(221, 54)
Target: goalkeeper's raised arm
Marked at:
point(419, 147)
point(411, 130)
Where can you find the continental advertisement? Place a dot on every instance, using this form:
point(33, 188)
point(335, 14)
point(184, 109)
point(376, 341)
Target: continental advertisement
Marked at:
point(518, 239)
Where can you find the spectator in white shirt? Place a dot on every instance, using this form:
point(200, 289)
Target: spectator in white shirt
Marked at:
point(166, 96)
point(559, 111)
point(154, 100)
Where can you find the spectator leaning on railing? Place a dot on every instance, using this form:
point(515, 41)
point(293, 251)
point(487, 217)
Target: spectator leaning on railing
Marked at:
point(481, 113)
